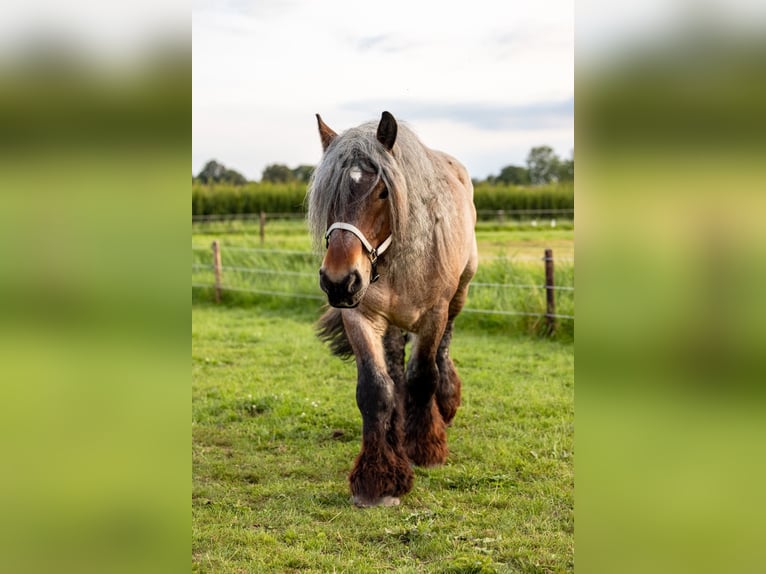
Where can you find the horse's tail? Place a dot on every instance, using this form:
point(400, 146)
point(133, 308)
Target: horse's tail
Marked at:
point(330, 330)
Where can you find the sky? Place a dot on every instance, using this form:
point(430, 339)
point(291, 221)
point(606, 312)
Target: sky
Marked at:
point(484, 80)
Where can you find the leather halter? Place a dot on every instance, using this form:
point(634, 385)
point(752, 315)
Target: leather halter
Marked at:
point(372, 252)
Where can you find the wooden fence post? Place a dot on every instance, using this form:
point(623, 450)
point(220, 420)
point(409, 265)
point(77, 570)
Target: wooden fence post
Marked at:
point(217, 267)
point(263, 227)
point(550, 297)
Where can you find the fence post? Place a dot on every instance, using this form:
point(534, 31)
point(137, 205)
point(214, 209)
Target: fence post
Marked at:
point(217, 267)
point(550, 299)
point(263, 227)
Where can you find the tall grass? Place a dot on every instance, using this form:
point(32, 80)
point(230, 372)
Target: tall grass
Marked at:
point(510, 296)
point(542, 198)
point(254, 197)
point(221, 199)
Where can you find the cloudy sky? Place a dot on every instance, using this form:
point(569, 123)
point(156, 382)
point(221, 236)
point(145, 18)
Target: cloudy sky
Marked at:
point(483, 80)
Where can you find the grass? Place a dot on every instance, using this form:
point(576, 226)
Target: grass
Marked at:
point(525, 240)
point(275, 430)
point(275, 425)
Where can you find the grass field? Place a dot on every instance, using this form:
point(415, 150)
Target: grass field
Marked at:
point(275, 425)
point(275, 430)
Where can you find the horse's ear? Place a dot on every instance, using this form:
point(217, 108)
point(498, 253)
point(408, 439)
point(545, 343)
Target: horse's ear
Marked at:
point(325, 133)
point(387, 129)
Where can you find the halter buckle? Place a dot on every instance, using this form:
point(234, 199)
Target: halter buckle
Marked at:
point(374, 276)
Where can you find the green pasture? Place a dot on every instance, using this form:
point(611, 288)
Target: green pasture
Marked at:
point(275, 427)
point(275, 430)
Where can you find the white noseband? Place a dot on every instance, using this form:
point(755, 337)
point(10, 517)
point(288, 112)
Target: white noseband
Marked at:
point(371, 251)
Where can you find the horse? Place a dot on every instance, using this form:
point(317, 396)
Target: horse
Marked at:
point(397, 220)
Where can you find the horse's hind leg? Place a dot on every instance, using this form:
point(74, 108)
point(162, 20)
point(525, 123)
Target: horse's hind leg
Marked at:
point(448, 390)
point(382, 471)
point(424, 429)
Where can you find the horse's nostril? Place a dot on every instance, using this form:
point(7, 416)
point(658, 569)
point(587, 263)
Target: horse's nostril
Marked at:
point(341, 293)
point(354, 282)
point(323, 283)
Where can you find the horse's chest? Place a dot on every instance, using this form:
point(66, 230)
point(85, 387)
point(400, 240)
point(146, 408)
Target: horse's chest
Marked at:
point(406, 310)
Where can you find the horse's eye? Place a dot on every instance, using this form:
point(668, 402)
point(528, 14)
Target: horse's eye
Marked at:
point(383, 194)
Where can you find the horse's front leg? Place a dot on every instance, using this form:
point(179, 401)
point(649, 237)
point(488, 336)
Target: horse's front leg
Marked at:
point(381, 472)
point(424, 428)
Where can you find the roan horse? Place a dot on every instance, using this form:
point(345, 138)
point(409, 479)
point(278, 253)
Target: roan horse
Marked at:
point(397, 220)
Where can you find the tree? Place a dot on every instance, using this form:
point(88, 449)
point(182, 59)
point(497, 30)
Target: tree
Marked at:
point(543, 165)
point(215, 172)
point(277, 173)
point(211, 173)
point(513, 174)
point(566, 169)
point(303, 173)
point(234, 177)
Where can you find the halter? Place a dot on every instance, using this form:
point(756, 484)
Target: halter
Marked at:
point(372, 253)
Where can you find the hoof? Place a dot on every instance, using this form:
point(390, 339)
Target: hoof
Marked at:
point(426, 439)
point(383, 501)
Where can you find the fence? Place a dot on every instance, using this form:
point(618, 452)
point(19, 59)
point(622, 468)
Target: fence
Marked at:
point(533, 217)
point(295, 265)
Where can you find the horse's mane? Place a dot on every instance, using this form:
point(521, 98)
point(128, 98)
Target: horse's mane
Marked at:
point(418, 194)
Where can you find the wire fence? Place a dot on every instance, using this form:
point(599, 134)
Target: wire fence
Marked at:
point(294, 274)
point(311, 254)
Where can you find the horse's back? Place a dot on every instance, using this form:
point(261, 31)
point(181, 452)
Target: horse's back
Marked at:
point(462, 185)
point(457, 169)
point(461, 235)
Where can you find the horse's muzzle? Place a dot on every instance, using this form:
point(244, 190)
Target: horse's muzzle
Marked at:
point(345, 293)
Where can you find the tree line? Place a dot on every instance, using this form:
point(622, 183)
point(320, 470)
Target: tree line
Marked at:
point(542, 166)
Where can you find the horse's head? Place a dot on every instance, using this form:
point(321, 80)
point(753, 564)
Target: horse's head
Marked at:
point(359, 224)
